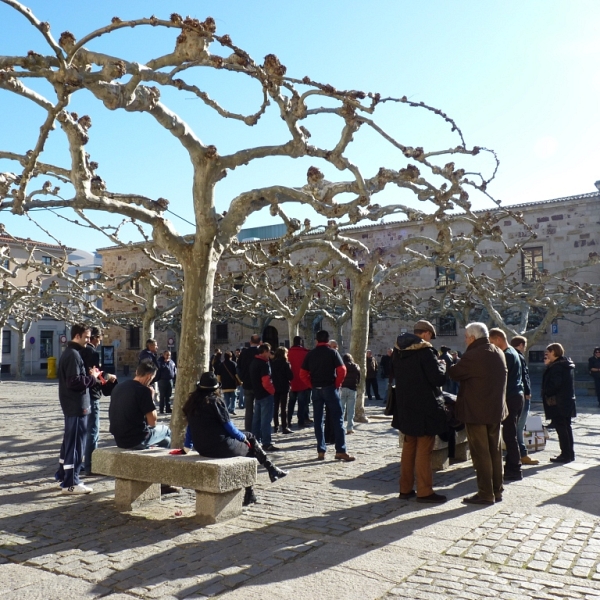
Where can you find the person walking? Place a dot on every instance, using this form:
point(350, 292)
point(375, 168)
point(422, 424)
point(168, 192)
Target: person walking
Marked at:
point(323, 370)
point(594, 369)
point(225, 372)
point(165, 378)
point(514, 404)
point(419, 411)
point(299, 390)
point(481, 406)
point(262, 386)
point(558, 395)
point(281, 373)
point(519, 343)
point(348, 391)
point(371, 376)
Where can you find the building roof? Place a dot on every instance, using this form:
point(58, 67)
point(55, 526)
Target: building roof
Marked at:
point(17, 241)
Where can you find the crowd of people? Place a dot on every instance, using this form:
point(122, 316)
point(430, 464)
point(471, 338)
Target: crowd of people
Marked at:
point(487, 390)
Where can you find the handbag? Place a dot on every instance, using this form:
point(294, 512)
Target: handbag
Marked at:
point(390, 402)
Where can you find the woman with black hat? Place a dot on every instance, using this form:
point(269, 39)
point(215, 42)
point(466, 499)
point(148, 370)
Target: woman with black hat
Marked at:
point(215, 435)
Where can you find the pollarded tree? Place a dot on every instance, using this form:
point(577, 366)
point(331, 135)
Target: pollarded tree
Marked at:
point(69, 68)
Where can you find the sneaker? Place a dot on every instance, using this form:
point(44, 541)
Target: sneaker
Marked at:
point(408, 495)
point(344, 456)
point(77, 489)
point(527, 460)
point(271, 448)
point(321, 456)
point(432, 499)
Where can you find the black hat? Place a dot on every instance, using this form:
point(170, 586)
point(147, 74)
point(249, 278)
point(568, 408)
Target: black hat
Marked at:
point(208, 381)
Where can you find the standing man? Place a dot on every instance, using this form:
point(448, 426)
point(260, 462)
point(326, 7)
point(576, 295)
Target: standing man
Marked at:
point(481, 406)
point(387, 368)
point(264, 390)
point(300, 390)
point(74, 381)
point(514, 403)
point(371, 376)
point(150, 353)
point(594, 368)
point(243, 370)
point(167, 372)
point(324, 371)
point(419, 411)
point(91, 359)
point(519, 343)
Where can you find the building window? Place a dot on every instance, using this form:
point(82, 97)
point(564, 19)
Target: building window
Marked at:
point(532, 263)
point(46, 345)
point(446, 325)
point(6, 341)
point(444, 276)
point(536, 356)
point(133, 337)
point(6, 263)
point(46, 260)
point(135, 286)
point(222, 333)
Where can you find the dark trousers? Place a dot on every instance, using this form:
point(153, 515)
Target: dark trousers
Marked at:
point(281, 402)
point(93, 433)
point(249, 404)
point(72, 451)
point(565, 436)
point(303, 398)
point(597, 384)
point(484, 444)
point(165, 389)
point(372, 383)
point(514, 404)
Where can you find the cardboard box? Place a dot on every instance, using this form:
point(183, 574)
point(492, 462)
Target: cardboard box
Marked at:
point(534, 441)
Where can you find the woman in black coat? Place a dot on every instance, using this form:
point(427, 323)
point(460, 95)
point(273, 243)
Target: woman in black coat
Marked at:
point(558, 395)
point(281, 375)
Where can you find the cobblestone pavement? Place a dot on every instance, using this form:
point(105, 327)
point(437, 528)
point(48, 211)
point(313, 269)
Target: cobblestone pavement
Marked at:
point(328, 530)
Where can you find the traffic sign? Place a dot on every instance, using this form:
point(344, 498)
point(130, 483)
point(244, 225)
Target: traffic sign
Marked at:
point(63, 339)
point(170, 342)
point(32, 340)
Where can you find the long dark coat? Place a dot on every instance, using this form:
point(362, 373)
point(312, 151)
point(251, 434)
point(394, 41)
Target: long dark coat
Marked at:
point(481, 373)
point(558, 381)
point(419, 408)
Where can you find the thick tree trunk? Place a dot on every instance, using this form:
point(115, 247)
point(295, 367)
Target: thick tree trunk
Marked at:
point(20, 366)
point(361, 303)
point(199, 270)
point(150, 314)
point(293, 329)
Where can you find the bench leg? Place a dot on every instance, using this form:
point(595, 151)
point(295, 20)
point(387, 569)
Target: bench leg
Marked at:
point(214, 508)
point(439, 459)
point(461, 452)
point(129, 494)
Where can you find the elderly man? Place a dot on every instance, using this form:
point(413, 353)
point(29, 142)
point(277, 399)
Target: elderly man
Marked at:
point(481, 406)
point(419, 411)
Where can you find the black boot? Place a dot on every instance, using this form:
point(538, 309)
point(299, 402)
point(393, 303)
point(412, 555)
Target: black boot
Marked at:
point(249, 497)
point(274, 472)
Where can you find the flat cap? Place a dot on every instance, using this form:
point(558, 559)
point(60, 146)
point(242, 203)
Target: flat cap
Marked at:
point(425, 326)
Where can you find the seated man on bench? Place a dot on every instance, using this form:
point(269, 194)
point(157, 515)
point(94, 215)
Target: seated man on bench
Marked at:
point(132, 415)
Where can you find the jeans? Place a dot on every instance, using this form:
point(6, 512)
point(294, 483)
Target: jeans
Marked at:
point(160, 436)
point(229, 398)
point(521, 426)
point(93, 433)
point(416, 460)
point(514, 404)
point(261, 422)
point(486, 453)
point(240, 394)
point(330, 397)
point(303, 398)
point(348, 400)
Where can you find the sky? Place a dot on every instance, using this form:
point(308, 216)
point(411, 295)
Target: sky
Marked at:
point(520, 77)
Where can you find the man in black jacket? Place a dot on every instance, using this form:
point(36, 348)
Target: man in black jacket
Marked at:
point(243, 370)
point(74, 381)
point(419, 410)
point(91, 359)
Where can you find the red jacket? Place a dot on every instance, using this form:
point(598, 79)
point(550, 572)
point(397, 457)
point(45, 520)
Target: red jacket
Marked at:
point(296, 356)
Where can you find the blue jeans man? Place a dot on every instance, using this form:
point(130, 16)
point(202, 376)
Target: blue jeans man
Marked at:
point(330, 397)
point(160, 436)
point(261, 420)
point(229, 398)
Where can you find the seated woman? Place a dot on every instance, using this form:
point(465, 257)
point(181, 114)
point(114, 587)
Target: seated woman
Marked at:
point(214, 434)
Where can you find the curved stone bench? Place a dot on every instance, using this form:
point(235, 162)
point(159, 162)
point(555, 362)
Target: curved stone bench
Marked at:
point(219, 482)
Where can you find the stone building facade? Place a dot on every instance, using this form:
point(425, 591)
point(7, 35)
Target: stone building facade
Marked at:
point(568, 231)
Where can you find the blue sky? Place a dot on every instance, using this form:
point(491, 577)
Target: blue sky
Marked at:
point(521, 77)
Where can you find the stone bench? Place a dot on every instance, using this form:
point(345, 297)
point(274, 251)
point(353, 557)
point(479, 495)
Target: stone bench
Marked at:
point(439, 456)
point(219, 482)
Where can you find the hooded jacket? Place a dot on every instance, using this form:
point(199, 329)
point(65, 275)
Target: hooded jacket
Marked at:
point(558, 382)
point(419, 408)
